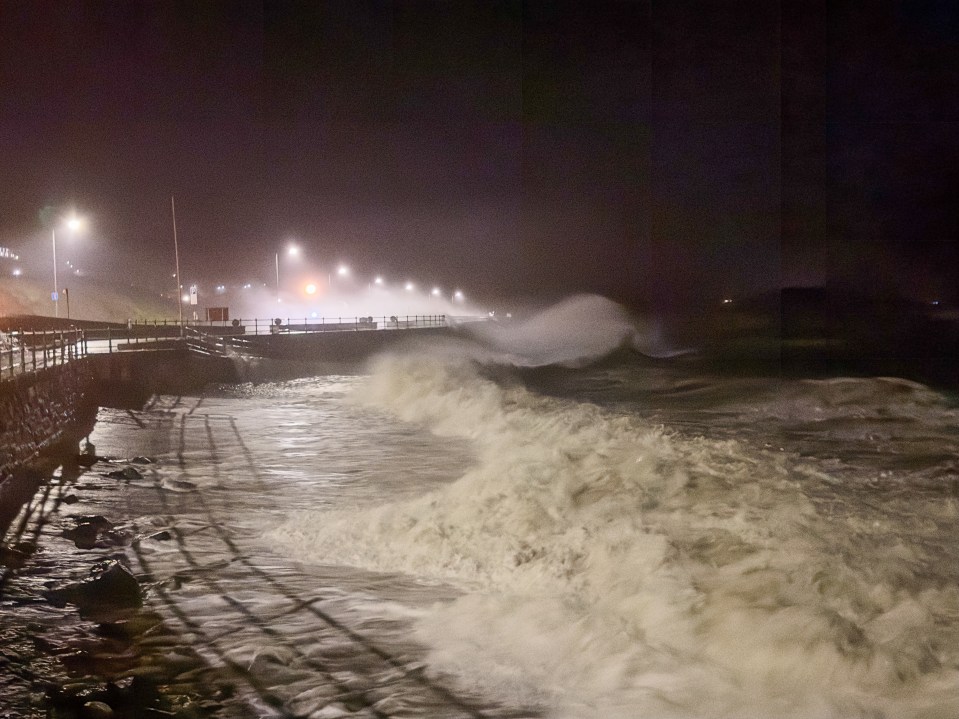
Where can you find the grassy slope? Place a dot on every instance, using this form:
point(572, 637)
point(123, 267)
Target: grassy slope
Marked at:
point(88, 301)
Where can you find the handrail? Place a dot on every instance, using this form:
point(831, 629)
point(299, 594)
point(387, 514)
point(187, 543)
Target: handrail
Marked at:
point(27, 351)
point(30, 351)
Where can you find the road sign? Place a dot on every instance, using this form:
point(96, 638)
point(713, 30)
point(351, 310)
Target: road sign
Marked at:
point(54, 296)
point(193, 294)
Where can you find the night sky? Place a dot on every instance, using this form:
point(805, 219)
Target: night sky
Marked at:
point(664, 154)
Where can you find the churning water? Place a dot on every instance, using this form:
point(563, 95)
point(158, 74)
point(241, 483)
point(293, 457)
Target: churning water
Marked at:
point(445, 536)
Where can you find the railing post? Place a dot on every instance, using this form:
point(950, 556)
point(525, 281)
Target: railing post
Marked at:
point(23, 354)
point(109, 340)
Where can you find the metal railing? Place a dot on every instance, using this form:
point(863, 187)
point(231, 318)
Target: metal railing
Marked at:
point(258, 326)
point(31, 351)
point(26, 351)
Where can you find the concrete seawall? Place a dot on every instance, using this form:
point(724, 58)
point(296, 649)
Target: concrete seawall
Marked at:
point(43, 416)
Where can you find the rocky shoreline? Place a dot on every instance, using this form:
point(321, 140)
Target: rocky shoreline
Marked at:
point(77, 639)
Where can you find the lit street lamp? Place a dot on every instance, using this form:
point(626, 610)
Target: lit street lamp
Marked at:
point(292, 250)
point(73, 224)
point(342, 271)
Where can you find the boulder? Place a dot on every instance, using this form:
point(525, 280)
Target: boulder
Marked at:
point(127, 473)
point(115, 588)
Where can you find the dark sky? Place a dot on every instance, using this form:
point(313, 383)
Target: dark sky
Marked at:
point(662, 153)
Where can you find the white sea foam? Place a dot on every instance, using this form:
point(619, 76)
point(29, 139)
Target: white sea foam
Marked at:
point(615, 569)
point(572, 332)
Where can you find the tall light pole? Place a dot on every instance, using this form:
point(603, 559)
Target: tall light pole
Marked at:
point(342, 271)
point(73, 223)
point(56, 292)
point(176, 254)
point(292, 250)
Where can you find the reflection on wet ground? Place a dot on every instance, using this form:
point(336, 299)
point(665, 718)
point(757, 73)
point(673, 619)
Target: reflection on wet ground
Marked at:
point(243, 632)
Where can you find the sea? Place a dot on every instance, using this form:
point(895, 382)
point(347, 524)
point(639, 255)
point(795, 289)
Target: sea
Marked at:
point(529, 522)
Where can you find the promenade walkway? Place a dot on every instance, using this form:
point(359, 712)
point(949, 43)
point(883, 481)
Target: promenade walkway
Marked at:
point(30, 349)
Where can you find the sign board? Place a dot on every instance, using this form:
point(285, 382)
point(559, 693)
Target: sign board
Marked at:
point(54, 296)
point(193, 294)
point(217, 314)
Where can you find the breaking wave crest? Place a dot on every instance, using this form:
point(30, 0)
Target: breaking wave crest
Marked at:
point(573, 333)
point(610, 568)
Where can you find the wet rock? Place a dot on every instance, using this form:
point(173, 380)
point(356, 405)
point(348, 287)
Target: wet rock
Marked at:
point(142, 460)
point(97, 710)
point(114, 589)
point(12, 558)
point(162, 536)
point(48, 646)
point(97, 520)
point(126, 473)
point(70, 499)
point(26, 547)
point(85, 534)
point(87, 460)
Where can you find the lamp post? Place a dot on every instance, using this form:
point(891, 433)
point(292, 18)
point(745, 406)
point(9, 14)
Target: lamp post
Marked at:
point(73, 224)
point(342, 271)
point(176, 255)
point(292, 250)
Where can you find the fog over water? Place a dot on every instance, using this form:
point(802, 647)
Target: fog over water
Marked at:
point(634, 538)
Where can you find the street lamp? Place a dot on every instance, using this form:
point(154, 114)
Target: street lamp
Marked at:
point(342, 271)
point(292, 251)
point(73, 224)
point(457, 296)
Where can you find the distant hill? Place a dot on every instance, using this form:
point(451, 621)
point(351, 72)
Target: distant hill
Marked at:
point(88, 301)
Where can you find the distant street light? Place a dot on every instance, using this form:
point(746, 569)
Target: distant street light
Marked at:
point(73, 224)
point(457, 296)
point(292, 251)
point(378, 280)
point(435, 292)
point(410, 287)
point(342, 271)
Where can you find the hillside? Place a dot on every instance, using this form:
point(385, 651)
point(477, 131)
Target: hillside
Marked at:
point(88, 301)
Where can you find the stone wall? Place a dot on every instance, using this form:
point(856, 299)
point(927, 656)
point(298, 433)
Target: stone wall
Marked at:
point(43, 414)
